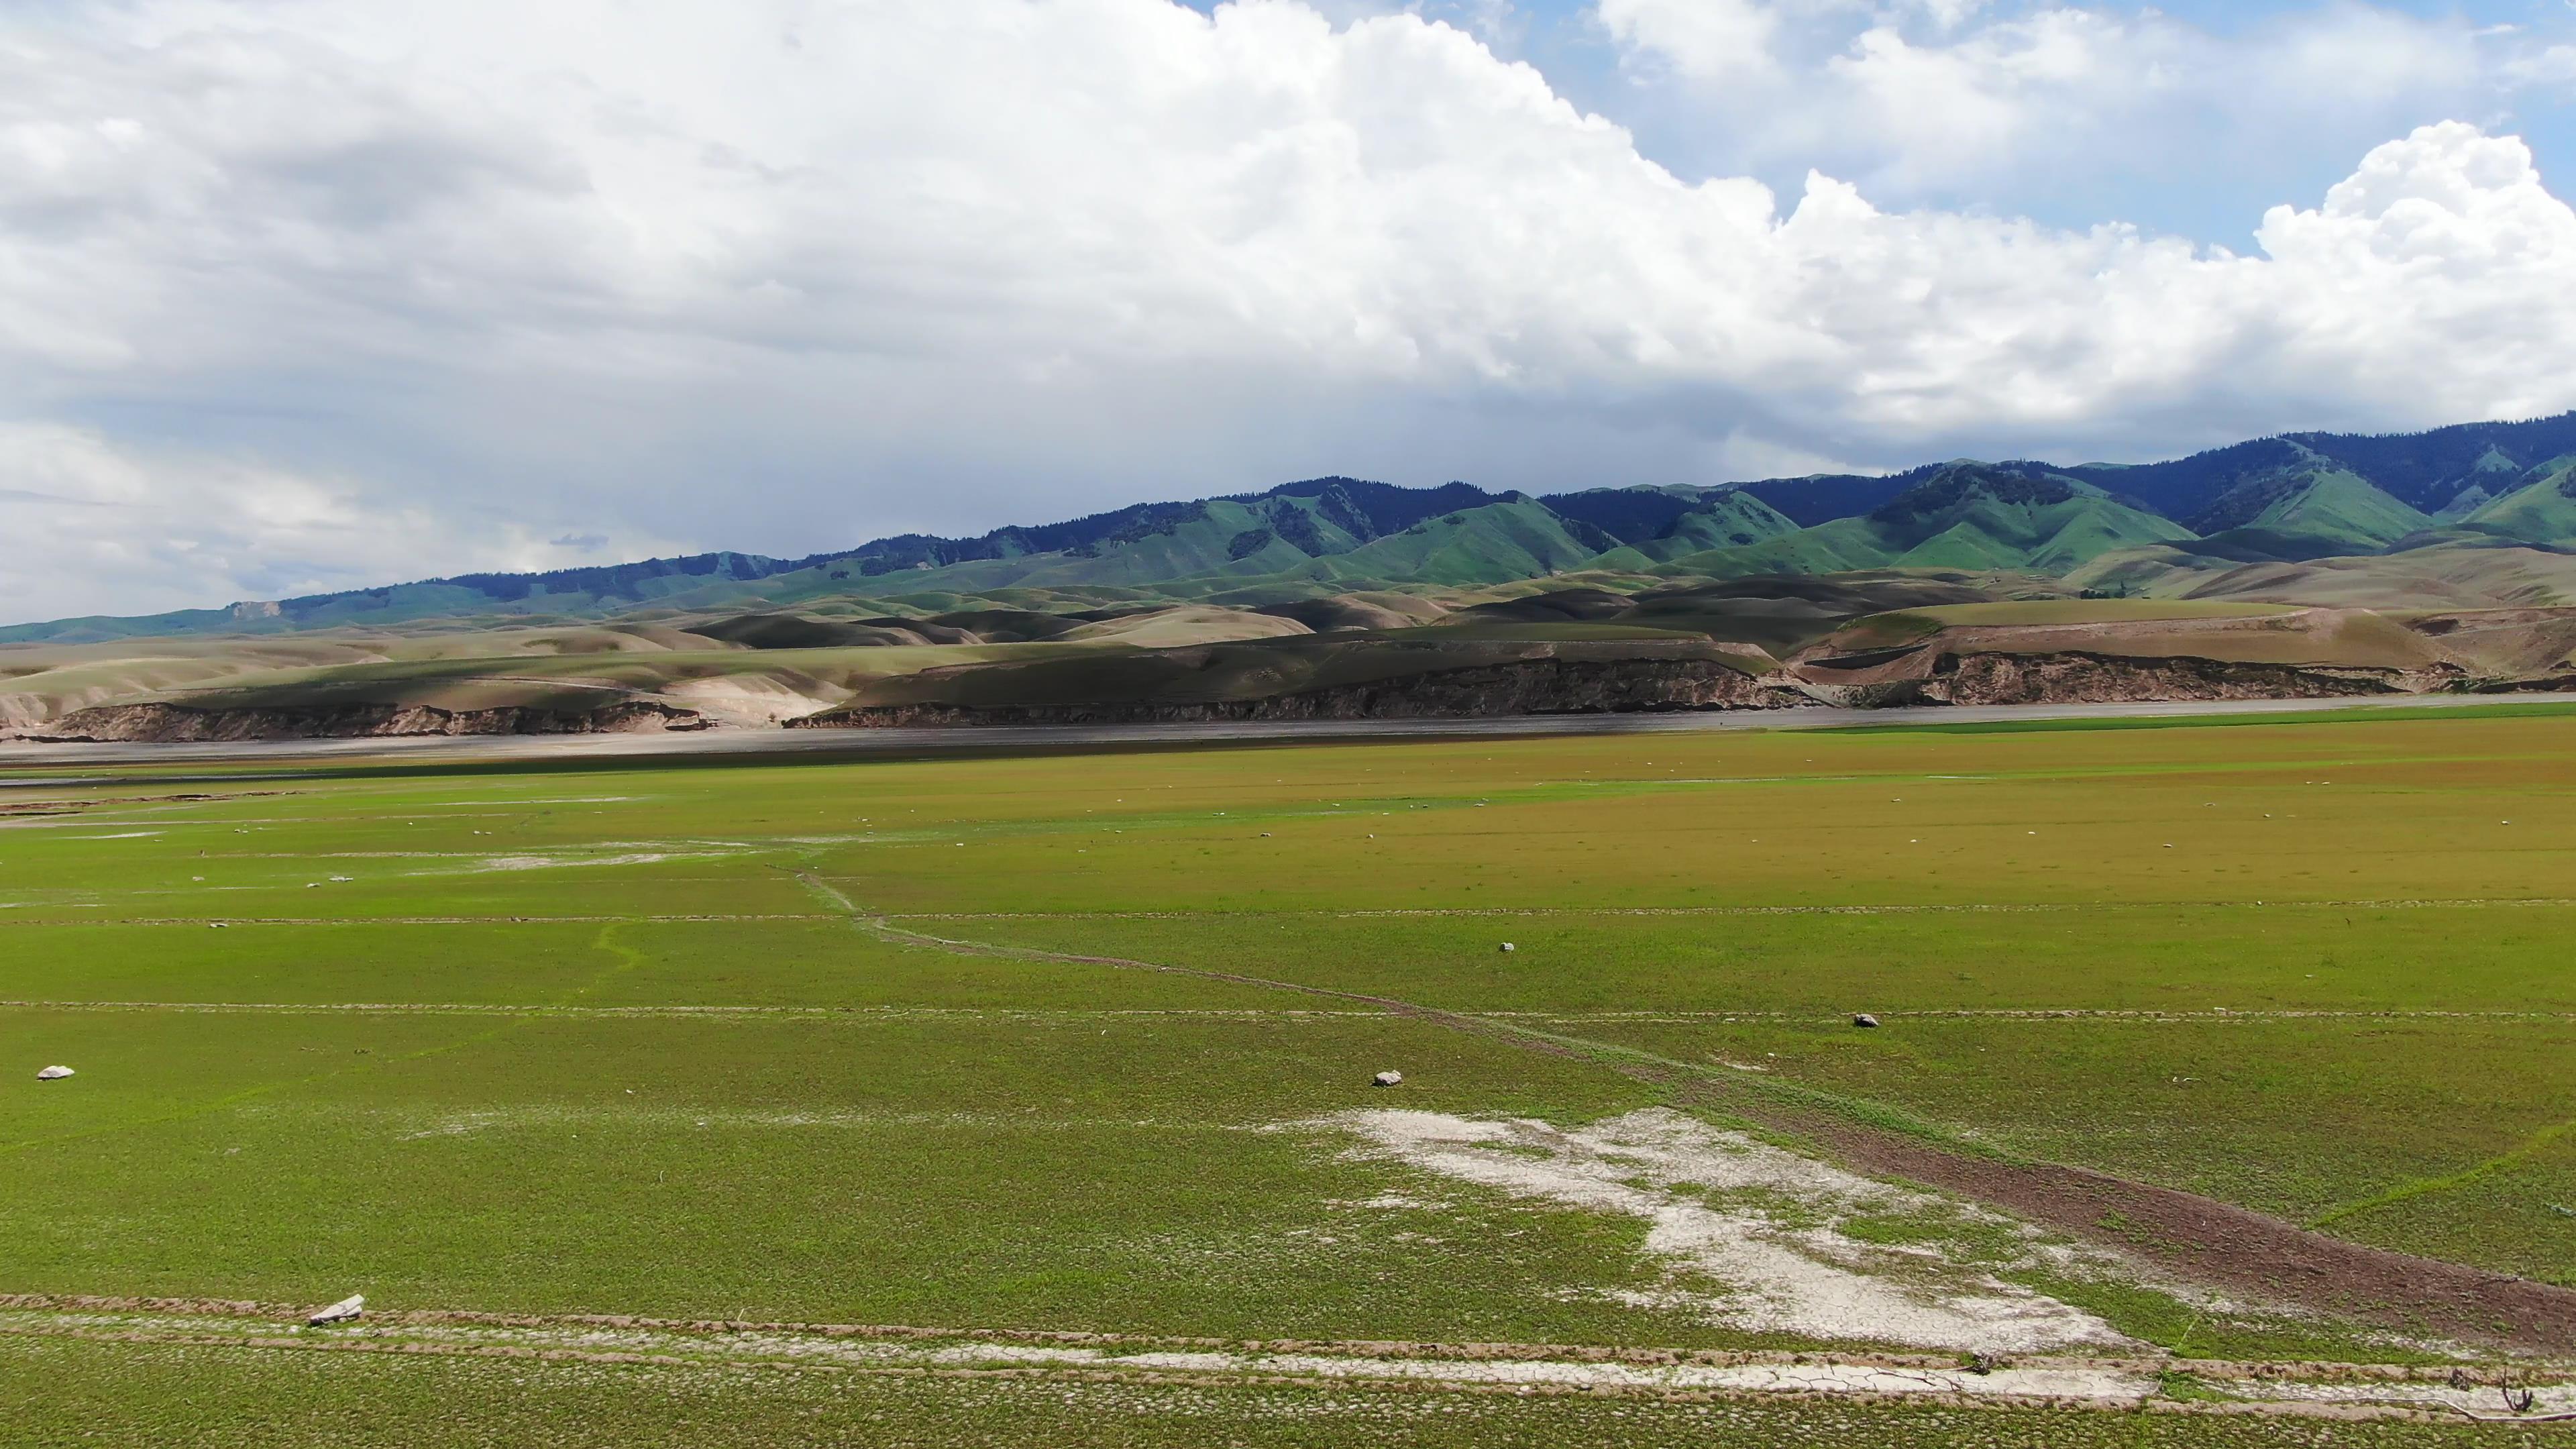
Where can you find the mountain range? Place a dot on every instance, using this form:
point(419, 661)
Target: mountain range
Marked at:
point(2163, 529)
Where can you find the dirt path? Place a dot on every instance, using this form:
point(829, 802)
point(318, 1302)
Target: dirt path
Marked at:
point(2198, 1239)
point(2202, 1240)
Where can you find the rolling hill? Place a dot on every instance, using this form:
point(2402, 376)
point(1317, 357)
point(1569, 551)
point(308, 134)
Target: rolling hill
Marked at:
point(1353, 595)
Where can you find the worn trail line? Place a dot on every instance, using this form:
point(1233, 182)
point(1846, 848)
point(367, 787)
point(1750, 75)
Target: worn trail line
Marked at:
point(2341, 1391)
point(792, 1013)
point(2051, 1013)
point(883, 930)
point(2200, 1239)
point(1560, 1018)
point(2007, 908)
point(201, 922)
point(2530, 1147)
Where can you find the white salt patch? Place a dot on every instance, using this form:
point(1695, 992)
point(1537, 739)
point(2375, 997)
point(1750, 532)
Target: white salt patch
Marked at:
point(1778, 1277)
point(549, 862)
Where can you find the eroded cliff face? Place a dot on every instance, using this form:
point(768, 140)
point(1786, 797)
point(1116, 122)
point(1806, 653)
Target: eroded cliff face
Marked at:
point(2081, 678)
point(174, 723)
point(1539, 686)
point(1519, 687)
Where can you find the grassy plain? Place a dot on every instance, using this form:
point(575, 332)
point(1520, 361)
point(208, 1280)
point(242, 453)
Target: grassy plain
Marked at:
point(818, 1041)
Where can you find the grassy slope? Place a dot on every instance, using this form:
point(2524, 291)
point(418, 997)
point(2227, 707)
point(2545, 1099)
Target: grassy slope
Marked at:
point(2539, 512)
point(1982, 532)
point(2329, 510)
point(1480, 546)
point(1730, 520)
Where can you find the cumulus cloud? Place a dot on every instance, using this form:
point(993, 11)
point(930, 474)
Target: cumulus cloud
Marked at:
point(1944, 100)
point(352, 290)
point(97, 527)
point(1704, 39)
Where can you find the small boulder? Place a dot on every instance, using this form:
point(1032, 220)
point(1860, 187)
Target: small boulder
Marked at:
point(1864, 1019)
point(1387, 1079)
point(340, 1312)
point(53, 1074)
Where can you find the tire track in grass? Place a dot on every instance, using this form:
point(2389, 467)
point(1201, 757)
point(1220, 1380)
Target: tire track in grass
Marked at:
point(1946, 908)
point(2531, 1147)
point(882, 929)
point(684, 1013)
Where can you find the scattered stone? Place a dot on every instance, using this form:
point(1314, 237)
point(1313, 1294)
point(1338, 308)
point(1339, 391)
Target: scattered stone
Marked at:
point(53, 1074)
point(340, 1312)
point(1864, 1019)
point(1387, 1079)
point(1509, 948)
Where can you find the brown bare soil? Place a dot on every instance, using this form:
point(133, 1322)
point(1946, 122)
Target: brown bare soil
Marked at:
point(2204, 1241)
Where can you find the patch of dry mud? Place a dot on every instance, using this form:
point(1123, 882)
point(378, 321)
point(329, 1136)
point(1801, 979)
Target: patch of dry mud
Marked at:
point(1750, 1234)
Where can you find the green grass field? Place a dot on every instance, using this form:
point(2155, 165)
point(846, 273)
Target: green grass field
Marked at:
point(1083, 1043)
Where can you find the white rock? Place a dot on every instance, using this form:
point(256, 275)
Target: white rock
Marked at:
point(340, 1312)
point(1388, 1079)
point(53, 1074)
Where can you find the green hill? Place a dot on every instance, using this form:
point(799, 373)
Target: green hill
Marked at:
point(2542, 511)
point(2310, 508)
point(1971, 516)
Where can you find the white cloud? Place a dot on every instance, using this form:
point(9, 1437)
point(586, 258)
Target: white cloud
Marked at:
point(1938, 98)
point(98, 528)
point(2554, 66)
point(1720, 40)
point(358, 287)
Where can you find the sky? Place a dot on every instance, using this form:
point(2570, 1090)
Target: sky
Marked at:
point(301, 295)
